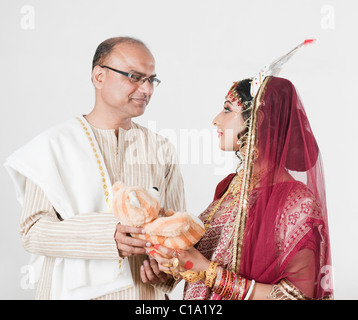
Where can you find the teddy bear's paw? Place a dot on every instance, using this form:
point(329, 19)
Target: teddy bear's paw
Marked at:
point(171, 226)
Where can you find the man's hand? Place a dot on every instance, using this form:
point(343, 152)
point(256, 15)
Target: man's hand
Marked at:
point(150, 273)
point(127, 245)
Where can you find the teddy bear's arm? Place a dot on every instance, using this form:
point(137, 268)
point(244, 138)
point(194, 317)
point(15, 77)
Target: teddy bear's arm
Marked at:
point(171, 226)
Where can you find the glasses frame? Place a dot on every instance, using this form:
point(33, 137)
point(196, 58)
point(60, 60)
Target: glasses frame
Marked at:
point(153, 81)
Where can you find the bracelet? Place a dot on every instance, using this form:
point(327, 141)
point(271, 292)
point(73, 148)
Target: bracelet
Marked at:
point(236, 288)
point(191, 276)
point(250, 290)
point(223, 282)
point(210, 274)
point(218, 286)
point(228, 285)
point(242, 289)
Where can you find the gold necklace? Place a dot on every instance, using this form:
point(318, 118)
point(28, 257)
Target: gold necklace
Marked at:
point(100, 166)
point(234, 188)
point(101, 171)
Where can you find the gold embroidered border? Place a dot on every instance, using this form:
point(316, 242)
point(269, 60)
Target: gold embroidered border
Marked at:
point(240, 220)
point(285, 290)
point(290, 291)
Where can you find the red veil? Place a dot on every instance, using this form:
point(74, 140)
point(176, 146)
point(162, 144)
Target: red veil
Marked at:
point(280, 230)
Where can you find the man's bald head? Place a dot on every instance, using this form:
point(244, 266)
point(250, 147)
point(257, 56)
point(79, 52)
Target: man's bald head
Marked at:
point(105, 48)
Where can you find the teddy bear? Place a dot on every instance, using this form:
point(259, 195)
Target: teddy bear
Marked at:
point(138, 207)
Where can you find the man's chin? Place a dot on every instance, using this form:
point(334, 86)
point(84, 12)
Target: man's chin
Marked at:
point(139, 110)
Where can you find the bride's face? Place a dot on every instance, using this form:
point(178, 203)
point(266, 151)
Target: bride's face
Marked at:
point(229, 123)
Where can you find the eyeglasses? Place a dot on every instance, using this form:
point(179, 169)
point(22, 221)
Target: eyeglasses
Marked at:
point(136, 77)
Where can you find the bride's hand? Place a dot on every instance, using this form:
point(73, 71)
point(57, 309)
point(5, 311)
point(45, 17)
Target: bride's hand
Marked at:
point(190, 259)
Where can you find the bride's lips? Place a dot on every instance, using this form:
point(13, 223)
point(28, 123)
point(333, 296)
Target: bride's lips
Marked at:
point(220, 133)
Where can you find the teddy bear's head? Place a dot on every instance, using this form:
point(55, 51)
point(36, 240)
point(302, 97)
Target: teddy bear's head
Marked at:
point(135, 206)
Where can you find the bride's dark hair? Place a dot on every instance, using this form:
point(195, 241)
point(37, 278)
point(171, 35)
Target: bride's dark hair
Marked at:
point(243, 91)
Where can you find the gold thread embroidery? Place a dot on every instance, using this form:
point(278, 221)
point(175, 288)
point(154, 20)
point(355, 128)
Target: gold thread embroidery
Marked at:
point(284, 290)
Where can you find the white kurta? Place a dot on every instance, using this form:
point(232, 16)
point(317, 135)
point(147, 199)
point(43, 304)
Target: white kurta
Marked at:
point(138, 157)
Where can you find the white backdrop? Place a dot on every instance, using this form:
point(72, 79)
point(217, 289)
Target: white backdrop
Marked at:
point(200, 47)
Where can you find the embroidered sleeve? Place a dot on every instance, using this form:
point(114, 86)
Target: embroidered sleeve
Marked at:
point(299, 240)
point(296, 220)
point(285, 290)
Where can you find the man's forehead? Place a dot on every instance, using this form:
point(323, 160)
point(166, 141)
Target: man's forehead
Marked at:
point(132, 57)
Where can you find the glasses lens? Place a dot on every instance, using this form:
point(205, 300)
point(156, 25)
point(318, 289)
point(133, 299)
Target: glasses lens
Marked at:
point(155, 82)
point(135, 78)
point(152, 81)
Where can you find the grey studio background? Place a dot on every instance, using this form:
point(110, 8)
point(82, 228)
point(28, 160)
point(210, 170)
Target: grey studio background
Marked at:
point(200, 47)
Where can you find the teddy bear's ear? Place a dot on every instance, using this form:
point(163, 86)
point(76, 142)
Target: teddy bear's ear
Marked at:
point(134, 200)
point(118, 185)
point(154, 193)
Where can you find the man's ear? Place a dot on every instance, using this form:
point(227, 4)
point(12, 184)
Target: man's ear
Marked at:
point(98, 75)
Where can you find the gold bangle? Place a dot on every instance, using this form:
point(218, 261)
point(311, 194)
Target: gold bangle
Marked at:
point(191, 276)
point(210, 274)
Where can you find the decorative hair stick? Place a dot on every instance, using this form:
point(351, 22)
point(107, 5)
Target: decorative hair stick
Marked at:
point(275, 67)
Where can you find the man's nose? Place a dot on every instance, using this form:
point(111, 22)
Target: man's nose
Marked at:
point(146, 87)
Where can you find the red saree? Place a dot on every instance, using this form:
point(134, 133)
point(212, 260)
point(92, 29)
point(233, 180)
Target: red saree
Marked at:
point(277, 233)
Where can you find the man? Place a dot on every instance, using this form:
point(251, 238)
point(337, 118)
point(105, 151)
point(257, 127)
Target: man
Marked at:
point(63, 180)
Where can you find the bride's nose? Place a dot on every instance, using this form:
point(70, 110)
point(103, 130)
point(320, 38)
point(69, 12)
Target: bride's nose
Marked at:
point(216, 120)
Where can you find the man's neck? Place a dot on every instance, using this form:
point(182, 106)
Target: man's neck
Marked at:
point(108, 121)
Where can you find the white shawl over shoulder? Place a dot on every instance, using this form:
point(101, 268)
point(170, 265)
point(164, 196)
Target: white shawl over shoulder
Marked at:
point(62, 163)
